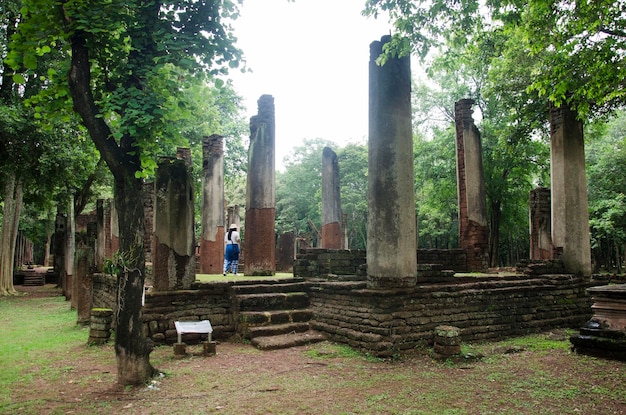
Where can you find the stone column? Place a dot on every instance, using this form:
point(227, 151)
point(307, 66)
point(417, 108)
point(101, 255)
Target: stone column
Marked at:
point(541, 247)
point(99, 253)
point(70, 251)
point(570, 216)
point(391, 226)
point(331, 201)
point(83, 281)
point(260, 243)
point(286, 252)
point(148, 209)
point(114, 230)
point(473, 224)
point(212, 224)
point(59, 248)
point(173, 252)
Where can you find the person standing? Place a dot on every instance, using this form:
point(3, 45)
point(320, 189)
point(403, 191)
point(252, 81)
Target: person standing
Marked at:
point(231, 253)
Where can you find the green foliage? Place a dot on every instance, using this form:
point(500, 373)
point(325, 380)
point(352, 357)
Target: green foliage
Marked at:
point(353, 169)
point(435, 190)
point(299, 187)
point(149, 66)
point(574, 52)
point(606, 156)
point(38, 327)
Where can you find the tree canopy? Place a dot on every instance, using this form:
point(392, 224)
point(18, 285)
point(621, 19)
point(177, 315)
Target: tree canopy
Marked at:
point(126, 66)
point(576, 49)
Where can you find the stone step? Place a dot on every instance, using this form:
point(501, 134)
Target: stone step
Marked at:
point(275, 330)
point(285, 341)
point(272, 301)
point(266, 318)
point(264, 287)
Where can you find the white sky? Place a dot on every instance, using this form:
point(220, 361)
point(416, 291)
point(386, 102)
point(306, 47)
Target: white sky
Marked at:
point(312, 56)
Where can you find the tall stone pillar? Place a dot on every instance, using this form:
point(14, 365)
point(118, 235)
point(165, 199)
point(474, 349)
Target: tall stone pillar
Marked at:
point(70, 251)
point(60, 228)
point(473, 224)
point(391, 226)
point(148, 218)
point(570, 217)
point(173, 253)
point(212, 224)
point(331, 201)
point(83, 281)
point(541, 247)
point(260, 239)
point(234, 217)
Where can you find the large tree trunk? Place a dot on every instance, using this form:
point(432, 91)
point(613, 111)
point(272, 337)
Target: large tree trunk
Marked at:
point(131, 346)
point(123, 159)
point(10, 223)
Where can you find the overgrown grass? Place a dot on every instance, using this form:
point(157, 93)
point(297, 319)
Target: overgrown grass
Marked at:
point(33, 331)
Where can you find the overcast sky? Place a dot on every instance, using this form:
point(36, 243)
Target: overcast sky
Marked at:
point(312, 57)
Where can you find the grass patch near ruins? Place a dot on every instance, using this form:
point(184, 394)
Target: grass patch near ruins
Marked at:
point(46, 367)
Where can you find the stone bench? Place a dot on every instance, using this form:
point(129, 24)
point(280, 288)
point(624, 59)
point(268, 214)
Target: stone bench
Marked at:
point(201, 327)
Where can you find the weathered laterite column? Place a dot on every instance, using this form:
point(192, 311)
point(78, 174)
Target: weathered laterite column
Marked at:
point(212, 239)
point(570, 217)
point(331, 201)
point(473, 224)
point(541, 247)
point(259, 243)
point(148, 218)
point(70, 252)
point(286, 252)
point(59, 248)
point(83, 281)
point(391, 226)
point(234, 217)
point(173, 253)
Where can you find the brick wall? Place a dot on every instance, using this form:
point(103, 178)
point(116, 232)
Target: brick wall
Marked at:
point(388, 322)
point(315, 261)
point(385, 323)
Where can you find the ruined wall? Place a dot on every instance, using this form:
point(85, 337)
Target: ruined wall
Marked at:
point(314, 262)
point(104, 291)
point(388, 322)
point(204, 302)
point(385, 322)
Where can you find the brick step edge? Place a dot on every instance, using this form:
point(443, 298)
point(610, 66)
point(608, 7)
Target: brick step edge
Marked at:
point(262, 288)
point(276, 329)
point(286, 341)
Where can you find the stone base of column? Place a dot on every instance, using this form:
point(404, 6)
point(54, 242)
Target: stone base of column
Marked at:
point(390, 283)
point(260, 242)
point(171, 271)
point(212, 254)
point(331, 236)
